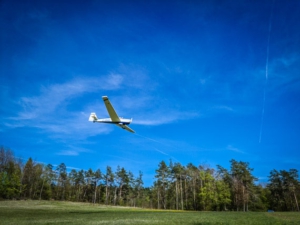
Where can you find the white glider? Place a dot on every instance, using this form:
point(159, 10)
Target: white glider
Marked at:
point(114, 118)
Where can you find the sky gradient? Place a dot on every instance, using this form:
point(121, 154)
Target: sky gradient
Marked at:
point(204, 81)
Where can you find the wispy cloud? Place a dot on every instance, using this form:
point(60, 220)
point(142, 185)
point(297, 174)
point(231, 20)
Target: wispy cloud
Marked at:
point(53, 110)
point(160, 118)
point(283, 73)
point(286, 61)
point(223, 108)
point(69, 152)
point(53, 96)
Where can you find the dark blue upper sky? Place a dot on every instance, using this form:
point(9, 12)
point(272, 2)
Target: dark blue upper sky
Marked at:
point(204, 81)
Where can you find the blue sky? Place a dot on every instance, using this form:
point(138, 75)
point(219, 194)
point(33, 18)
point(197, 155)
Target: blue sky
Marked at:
point(191, 74)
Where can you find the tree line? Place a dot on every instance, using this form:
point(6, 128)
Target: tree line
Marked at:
point(176, 186)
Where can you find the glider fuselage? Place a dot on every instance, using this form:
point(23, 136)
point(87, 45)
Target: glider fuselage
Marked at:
point(109, 120)
point(114, 118)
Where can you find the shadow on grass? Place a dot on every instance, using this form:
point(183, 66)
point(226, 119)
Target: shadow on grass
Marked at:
point(210, 223)
point(80, 212)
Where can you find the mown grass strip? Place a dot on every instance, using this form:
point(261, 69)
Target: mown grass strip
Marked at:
point(55, 212)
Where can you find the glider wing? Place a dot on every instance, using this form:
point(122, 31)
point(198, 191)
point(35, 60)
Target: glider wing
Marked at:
point(125, 127)
point(110, 109)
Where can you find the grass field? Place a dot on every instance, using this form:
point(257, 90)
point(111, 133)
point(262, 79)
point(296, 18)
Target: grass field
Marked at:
point(54, 212)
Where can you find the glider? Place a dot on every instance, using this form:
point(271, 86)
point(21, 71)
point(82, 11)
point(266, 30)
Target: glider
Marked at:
point(114, 118)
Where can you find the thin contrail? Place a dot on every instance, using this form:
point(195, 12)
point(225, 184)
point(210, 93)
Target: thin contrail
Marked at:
point(267, 73)
point(149, 139)
point(160, 151)
point(156, 148)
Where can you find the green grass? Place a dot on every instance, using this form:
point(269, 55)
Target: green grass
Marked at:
point(54, 212)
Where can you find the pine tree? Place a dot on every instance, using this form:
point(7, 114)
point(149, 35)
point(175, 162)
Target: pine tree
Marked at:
point(242, 183)
point(62, 181)
point(162, 175)
point(28, 178)
point(96, 179)
point(109, 180)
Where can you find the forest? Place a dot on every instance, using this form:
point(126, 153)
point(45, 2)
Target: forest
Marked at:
point(176, 186)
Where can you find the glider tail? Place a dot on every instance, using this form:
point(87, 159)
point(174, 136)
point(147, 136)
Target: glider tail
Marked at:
point(93, 117)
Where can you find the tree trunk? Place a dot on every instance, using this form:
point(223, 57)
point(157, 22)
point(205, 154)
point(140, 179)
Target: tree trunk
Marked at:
point(185, 192)
point(296, 201)
point(176, 190)
point(244, 205)
point(106, 192)
point(194, 195)
point(99, 194)
point(181, 194)
point(236, 201)
point(120, 194)
point(115, 196)
point(95, 193)
point(157, 198)
point(42, 189)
